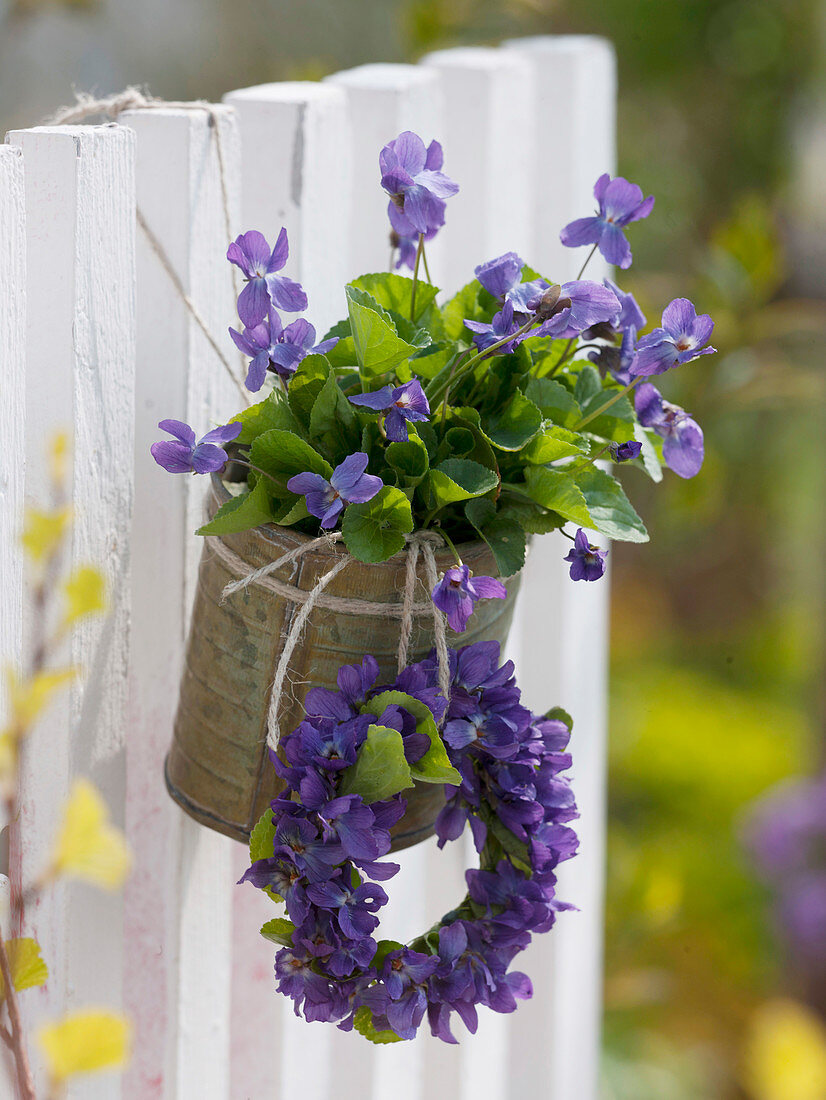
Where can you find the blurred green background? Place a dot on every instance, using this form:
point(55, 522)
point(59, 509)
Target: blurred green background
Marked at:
point(718, 649)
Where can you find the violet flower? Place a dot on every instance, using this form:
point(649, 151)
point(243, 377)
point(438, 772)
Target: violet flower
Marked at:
point(683, 446)
point(622, 452)
point(272, 346)
point(408, 247)
point(457, 593)
point(400, 404)
point(587, 561)
point(618, 360)
point(581, 304)
point(501, 275)
point(349, 484)
point(412, 177)
point(620, 203)
point(503, 324)
point(681, 339)
point(251, 253)
point(185, 455)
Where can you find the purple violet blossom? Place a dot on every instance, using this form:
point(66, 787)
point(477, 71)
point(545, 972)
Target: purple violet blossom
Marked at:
point(683, 446)
point(587, 561)
point(503, 324)
point(251, 253)
point(185, 456)
point(457, 593)
point(401, 404)
point(681, 339)
point(349, 484)
point(272, 346)
point(618, 360)
point(620, 203)
point(582, 304)
point(622, 452)
point(413, 178)
point(501, 275)
point(408, 247)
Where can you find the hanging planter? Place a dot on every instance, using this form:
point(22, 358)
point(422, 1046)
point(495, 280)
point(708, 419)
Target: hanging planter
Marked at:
point(344, 692)
point(218, 767)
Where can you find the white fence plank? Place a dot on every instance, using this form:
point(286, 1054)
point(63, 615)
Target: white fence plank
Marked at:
point(80, 364)
point(489, 150)
point(559, 1032)
point(296, 148)
point(383, 100)
point(179, 900)
point(13, 406)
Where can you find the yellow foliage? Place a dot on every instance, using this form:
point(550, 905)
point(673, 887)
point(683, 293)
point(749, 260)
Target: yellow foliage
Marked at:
point(88, 846)
point(28, 698)
point(85, 594)
point(26, 964)
point(785, 1053)
point(44, 531)
point(59, 453)
point(85, 1041)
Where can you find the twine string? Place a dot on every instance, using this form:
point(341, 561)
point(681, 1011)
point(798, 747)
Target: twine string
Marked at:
point(134, 99)
point(420, 542)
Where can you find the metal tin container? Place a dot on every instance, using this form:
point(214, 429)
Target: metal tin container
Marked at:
point(218, 768)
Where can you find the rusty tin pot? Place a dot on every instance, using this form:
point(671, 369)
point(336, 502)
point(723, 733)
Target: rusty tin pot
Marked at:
point(217, 768)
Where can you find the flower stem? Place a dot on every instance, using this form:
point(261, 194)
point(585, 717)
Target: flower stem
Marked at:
point(588, 461)
point(20, 1055)
point(607, 405)
point(436, 394)
point(424, 261)
point(587, 261)
point(450, 544)
point(419, 254)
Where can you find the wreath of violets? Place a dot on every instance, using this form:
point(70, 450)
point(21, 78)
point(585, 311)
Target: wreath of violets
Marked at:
point(492, 415)
point(320, 847)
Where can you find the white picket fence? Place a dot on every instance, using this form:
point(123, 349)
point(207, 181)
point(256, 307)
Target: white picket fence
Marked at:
point(95, 338)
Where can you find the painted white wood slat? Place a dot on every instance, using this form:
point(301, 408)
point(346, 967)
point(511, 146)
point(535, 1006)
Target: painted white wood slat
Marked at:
point(178, 978)
point(295, 149)
point(80, 371)
point(489, 151)
point(13, 405)
point(559, 1032)
point(383, 101)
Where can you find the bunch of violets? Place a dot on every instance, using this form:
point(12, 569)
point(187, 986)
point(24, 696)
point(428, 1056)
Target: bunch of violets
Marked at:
point(326, 860)
point(497, 379)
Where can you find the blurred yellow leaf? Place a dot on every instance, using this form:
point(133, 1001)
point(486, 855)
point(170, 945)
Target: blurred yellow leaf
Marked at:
point(85, 593)
point(28, 698)
point(59, 452)
point(785, 1053)
point(85, 1041)
point(26, 963)
point(88, 846)
point(43, 532)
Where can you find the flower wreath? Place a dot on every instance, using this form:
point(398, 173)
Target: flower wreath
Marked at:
point(319, 849)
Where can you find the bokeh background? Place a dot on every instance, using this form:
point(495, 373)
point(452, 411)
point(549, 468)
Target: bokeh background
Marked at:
point(715, 967)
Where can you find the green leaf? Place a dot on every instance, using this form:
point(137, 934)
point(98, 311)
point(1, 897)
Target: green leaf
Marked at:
point(588, 387)
point(343, 355)
point(552, 444)
point(434, 766)
point(649, 458)
point(505, 537)
point(363, 1023)
point(464, 306)
point(554, 401)
point(378, 346)
point(430, 360)
point(242, 512)
point(332, 413)
point(393, 292)
point(556, 490)
point(283, 454)
point(305, 386)
point(610, 509)
point(291, 511)
point(409, 460)
point(380, 770)
point(279, 930)
point(273, 412)
point(459, 479)
point(375, 531)
point(558, 714)
point(513, 426)
point(262, 837)
point(514, 847)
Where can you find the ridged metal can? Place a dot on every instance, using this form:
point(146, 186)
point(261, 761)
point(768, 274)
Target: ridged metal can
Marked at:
point(218, 767)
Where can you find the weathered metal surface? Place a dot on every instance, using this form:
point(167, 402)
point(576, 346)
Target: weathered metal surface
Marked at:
point(218, 768)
